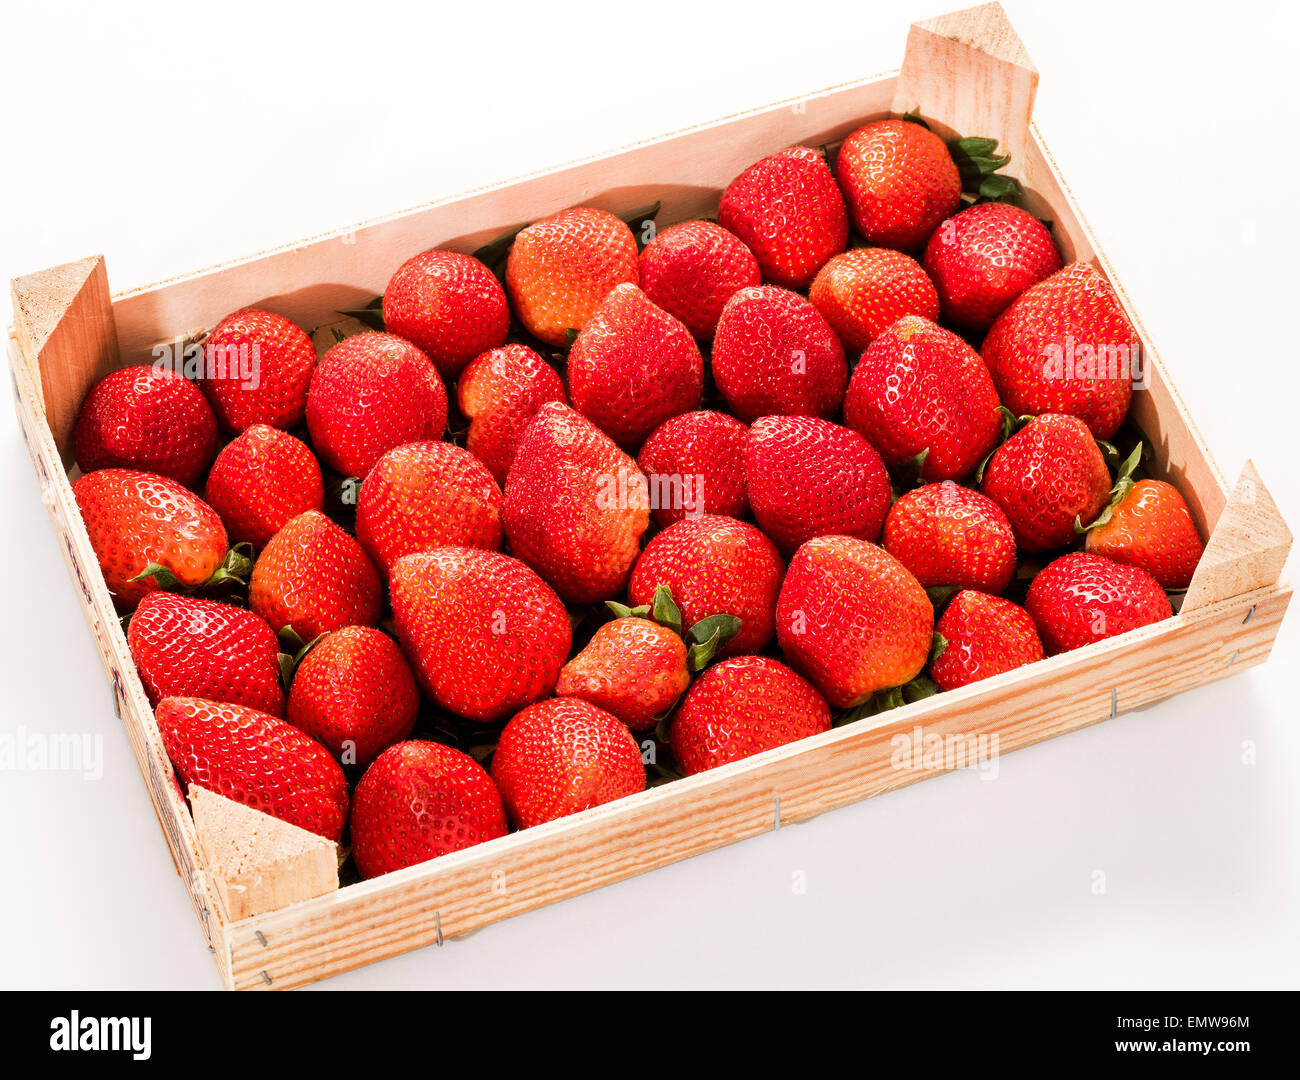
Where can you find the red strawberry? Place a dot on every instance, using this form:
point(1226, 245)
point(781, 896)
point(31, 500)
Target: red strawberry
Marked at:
point(420, 800)
point(1081, 598)
point(899, 182)
point(632, 667)
point(261, 480)
point(986, 256)
point(355, 694)
point(695, 464)
point(774, 354)
point(743, 707)
point(485, 634)
point(501, 392)
point(866, 290)
point(984, 635)
point(852, 619)
point(575, 506)
point(258, 366)
point(255, 760)
point(146, 418)
point(561, 757)
point(1066, 346)
point(562, 267)
point(370, 393)
point(809, 477)
point(449, 306)
point(1045, 477)
point(947, 534)
point(633, 367)
point(1151, 528)
point(789, 212)
point(920, 388)
point(691, 269)
point(315, 578)
point(426, 495)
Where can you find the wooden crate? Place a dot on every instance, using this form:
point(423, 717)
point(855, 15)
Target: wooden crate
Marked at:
point(966, 72)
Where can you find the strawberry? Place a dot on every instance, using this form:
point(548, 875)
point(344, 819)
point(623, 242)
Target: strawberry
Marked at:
point(313, 577)
point(258, 366)
point(136, 520)
point(501, 392)
point(1066, 346)
point(149, 419)
point(561, 757)
point(485, 635)
point(562, 267)
point(354, 694)
point(370, 393)
point(742, 707)
point(695, 464)
point(449, 306)
point(852, 619)
point(1081, 598)
point(632, 667)
point(1047, 476)
point(789, 212)
point(808, 477)
point(984, 257)
point(262, 479)
point(255, 759)
point(633, 366)
point(949, 535)
point(426, 495)
point(420, 800)
point(774, 354)
point(691, 269)
point(575, 506)
point(983, 636)
point(1150, 527)
point(865, 290)
point(921, 389)
point(899, 182)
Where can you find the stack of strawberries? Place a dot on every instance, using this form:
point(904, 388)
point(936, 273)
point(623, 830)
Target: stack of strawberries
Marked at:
point(851, 444)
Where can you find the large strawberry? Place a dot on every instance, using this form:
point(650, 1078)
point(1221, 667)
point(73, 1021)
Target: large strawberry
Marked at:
point(865, 290)
point(633, 667)
point(949, 535)
point(691, 269)
point(1081, 598)
point(257, 367)
point(261, 480)
point(695, 464)
point(982, 636)
point(1150, 527)
point(501, 392)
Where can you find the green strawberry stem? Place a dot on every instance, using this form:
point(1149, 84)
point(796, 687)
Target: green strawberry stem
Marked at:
point(370, 316)
point(1123, 485)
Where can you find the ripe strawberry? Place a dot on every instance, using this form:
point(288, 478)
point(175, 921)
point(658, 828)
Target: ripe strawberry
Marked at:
point(1066, 346)
point(561, 757)
point(146, 418)
point(774, 354)
point(852, 619)
point(695, 464)
point(947, 534)
point(262, 479)
point(420, 800)
point(449, 306)
point(562, 267)
point(789, 212)
point(984, 257)
point(425, 495)
point(255, 759)
point(691, 269)
point(866, 290)
point(315, 578)
point(919, 388)
point(485, 635)
point(984, 635)
point(258, 366)
point(632, 667)
point(136, 520)
point(354, 694)
point(575, 506)
point(501, 392)
point(633, 367)
point(899, 182)
point(1150, 528)
point(372, 392)
point(1081, 598)
point(1045, 477)
point(743, 707)
point(808, 477)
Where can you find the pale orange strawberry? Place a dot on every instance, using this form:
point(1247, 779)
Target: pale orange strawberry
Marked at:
point(501, 392)
point(1151, 528)
point(632, 667)
point(864, 291)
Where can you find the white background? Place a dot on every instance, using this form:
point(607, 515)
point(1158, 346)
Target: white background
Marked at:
point(172, 137)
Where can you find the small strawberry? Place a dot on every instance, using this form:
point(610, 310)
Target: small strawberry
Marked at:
point(865, 290)
point(982, 636)
point(695, 464)
point(1151, 528)
point(501, 392)
point(691, 269)
point(1081, 598)
point(262, 479)
point(258, 366)
point(949, 535)
point(633, 667)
